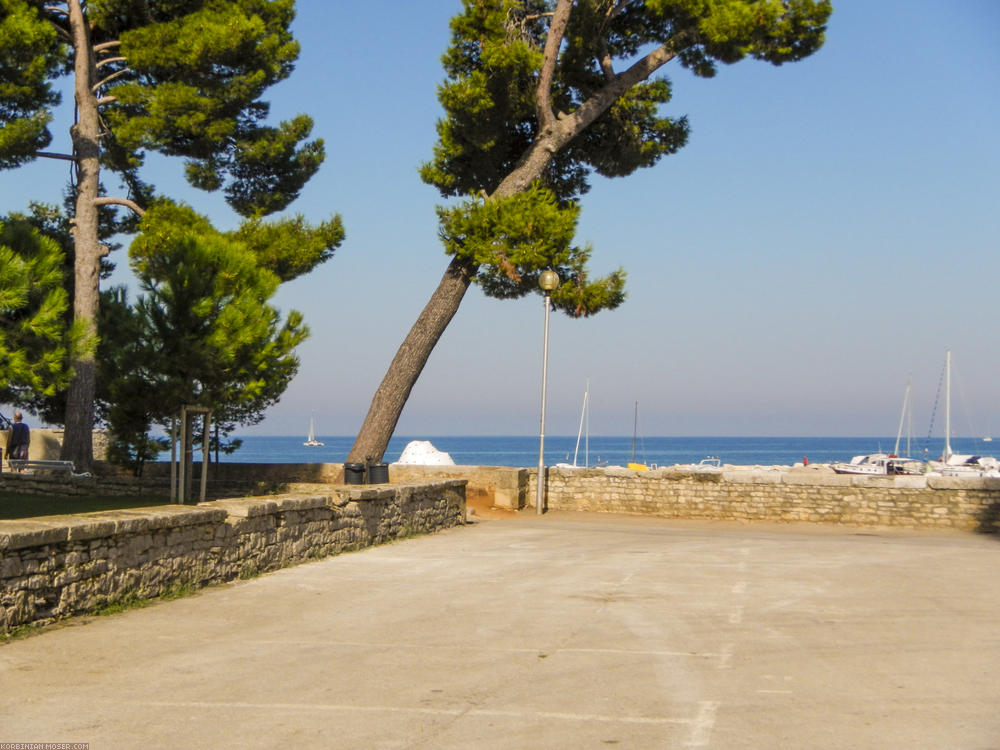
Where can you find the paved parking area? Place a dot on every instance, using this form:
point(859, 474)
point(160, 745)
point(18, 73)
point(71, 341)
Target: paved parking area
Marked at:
point(561, 631)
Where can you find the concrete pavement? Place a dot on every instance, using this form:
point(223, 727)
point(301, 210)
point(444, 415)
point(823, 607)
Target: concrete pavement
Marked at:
point(560, 631)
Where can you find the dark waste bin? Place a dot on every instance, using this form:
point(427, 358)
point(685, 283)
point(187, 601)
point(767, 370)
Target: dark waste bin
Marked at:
point(354, 473)
point(378, 473)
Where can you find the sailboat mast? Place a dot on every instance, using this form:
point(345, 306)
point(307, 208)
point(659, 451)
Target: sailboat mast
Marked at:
point(902, 416)
point(947, 405)
point(635, 428)
point(583, 413)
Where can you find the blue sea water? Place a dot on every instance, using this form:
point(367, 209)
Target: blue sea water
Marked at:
point(522, 451)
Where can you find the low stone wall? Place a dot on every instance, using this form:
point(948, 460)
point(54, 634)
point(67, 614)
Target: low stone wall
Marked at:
point(804, 494)
point(784, 496)
point(57, 566)
point(500, 486)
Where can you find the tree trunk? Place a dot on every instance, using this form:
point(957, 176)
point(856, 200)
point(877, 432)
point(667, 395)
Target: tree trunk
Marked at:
point(391, 396)
point(77, 438)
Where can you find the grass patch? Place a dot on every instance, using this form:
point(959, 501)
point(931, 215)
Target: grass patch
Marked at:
point(20, 631)
point(124, 603)
point(179, 591)
point(14, 505)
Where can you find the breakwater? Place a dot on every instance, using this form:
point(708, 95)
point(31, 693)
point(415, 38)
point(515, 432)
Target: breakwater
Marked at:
point(789, 496)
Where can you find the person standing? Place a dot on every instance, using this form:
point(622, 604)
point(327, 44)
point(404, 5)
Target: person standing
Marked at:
point(19, 440)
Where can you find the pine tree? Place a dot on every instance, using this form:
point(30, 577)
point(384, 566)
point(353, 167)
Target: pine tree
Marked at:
point(541, 94)
point(183, 78)
point(201, 332)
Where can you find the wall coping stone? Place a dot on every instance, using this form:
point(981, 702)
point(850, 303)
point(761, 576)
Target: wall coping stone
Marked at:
point(751, 477)
point(137, 520)
point(963, 483)
point(32, 532)
point(255, 507)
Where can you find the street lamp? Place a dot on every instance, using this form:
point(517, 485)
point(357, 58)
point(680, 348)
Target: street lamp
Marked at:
point(547, 280)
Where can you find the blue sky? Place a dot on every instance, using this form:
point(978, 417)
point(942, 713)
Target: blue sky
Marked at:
point(830, 229)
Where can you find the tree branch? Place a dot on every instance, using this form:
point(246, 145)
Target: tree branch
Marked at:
point(543, 94)
point(106, 100)
point(50, 155)
point(605, 61)
point(548, 142)
point(108, 60)
point(114, 201)
point(110, 78)
point(106, 45)
point(642, 69)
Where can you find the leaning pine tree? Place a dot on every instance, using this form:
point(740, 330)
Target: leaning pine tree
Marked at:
point(183, 78)
point(539, 95)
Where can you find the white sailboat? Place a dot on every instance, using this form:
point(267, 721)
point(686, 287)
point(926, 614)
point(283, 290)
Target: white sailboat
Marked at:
point(311, 440)
point(958, 464)
point(584, 418)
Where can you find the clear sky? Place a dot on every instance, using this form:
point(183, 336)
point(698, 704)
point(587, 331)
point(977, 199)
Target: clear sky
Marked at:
point(830, 229)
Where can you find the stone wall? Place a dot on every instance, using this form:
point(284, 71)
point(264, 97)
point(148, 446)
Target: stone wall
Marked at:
point(501, 486)
point(46, 443)
point(57, 566)
point(783, 496)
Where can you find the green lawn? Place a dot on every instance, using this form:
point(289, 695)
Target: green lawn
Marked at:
point(26, 506)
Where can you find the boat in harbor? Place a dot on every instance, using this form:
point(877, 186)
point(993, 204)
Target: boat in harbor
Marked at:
point(886, 464)
point(880, 465)
point(635, 465)
point(584, 421)
point(958, 464)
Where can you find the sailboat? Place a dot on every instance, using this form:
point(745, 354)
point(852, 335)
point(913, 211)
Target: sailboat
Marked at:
point(311, 441)
point(633, 464)
point(956, 464)
point(584, 418)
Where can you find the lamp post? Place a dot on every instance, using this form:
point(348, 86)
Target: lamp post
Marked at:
point(547, 280)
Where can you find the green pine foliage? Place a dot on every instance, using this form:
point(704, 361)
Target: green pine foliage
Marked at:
point(30, 55)
point(511, 240)
point(35, 339)
point(189, 83)
point(290, 246)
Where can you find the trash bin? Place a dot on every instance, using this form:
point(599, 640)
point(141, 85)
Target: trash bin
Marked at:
point(354, 473)
point(378, 473)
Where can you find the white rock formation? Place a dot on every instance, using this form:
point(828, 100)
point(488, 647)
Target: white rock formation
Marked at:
point(422, 453)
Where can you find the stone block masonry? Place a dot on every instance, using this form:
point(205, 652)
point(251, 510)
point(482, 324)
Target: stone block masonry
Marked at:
point(58, 566)
point(780, 496)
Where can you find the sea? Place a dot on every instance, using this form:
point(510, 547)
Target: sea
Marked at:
point(522, 451)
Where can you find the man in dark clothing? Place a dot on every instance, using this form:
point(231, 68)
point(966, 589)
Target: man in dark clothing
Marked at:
point(19, 440)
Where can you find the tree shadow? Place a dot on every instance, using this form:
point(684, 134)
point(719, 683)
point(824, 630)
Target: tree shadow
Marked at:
point(989, 520)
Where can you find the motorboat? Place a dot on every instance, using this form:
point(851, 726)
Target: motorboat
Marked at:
point(880, 465)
